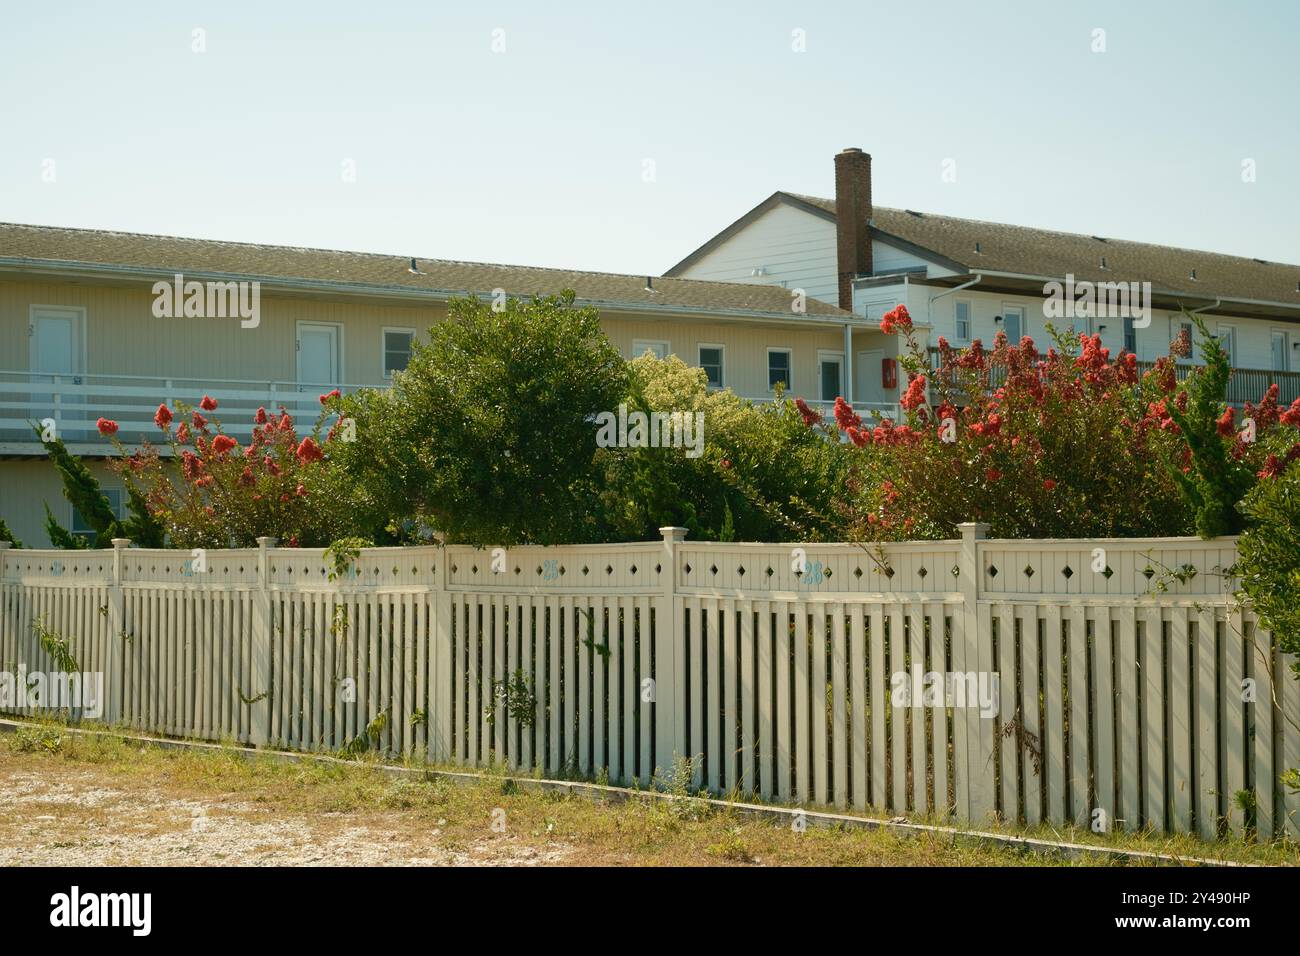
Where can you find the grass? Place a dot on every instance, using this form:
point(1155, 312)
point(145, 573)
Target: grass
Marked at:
point(489, 820)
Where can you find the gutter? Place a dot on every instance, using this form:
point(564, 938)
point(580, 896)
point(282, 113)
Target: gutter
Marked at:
point(929, 308)
point(1168, 293)
point(326, 287)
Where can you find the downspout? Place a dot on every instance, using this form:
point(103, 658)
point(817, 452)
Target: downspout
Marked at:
point(929, 308)
point(848, 362)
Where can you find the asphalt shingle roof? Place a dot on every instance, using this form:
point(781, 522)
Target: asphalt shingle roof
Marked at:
point(50, 246)
point(1041, 252)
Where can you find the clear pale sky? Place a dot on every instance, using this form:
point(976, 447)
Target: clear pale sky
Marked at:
point(537, 154)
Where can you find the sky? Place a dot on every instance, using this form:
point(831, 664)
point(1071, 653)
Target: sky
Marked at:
point(620, 136)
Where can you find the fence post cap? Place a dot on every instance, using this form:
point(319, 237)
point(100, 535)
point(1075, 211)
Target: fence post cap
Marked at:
point(267, 542)
point(120, 543)
point(6, 544)
point(974, 529)
point(673, 533)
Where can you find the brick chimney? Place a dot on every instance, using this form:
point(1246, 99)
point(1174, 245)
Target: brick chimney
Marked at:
point(852, 210)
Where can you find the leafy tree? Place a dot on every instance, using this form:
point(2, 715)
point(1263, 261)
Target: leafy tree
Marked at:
point(61, 537)
point(488, 434)
point(82, 489)
point(756, 472)
point(7, 535)
point(1217, 478)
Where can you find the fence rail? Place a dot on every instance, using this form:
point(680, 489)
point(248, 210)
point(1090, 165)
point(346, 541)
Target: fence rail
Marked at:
point(1115, 684)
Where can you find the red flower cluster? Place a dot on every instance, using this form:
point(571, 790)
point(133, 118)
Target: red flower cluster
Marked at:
point(897, 319)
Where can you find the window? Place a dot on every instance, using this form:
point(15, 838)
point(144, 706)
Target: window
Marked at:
point(778, 368)
point(963, 321)
point(1013, 323)
point(1130, 337)
point(641, 346)
point(81, 529)
point(711, 362)
point(397, 350)
point(1227, 336)
point(1278, 345)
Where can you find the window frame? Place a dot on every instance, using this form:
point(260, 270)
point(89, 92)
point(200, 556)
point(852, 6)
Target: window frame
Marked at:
point(722, 362)
point(647, 346)
point(956, 320)
point(789, 367)
point(383, 348)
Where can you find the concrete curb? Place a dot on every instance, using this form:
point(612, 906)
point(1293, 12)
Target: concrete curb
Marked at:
point(607, 794)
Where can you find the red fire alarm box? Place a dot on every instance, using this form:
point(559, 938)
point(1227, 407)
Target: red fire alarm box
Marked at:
point(889, 373)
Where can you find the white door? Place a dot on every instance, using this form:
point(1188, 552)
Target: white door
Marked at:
point(318, 356)
point(56, 367)
point(867, 384)
point(56, 342)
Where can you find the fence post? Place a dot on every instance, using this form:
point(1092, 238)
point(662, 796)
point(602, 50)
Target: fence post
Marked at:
point(114, 647)
point(977, 657)
point(670, 660)
point(442, 684)
point(260, 691)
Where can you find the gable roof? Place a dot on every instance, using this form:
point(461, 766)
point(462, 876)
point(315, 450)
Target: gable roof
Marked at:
point(54, 249)
point(1031, 252)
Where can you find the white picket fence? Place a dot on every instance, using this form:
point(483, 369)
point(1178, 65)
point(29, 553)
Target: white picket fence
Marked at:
point(1134, 690)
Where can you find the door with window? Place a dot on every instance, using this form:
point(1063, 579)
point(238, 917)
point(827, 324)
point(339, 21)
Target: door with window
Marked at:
point(318, 356)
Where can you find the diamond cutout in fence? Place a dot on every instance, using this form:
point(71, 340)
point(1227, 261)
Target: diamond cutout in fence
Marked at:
point(1068, 572)
point(1148, 572)
point(632, 569)
point(769, 572)
point(584, 570)
point(889, 571)
point(1029, 570)
point(857, 572)
point(713, 569)
point(609, 569)
point(473, 569)
point(1107, 573)
point(741, 570)
point(922, 572)
point(956, 571)
point(687, 569)
point(992, 571)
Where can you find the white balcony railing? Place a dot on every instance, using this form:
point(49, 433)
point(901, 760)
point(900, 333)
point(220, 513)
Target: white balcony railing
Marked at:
point(75, 402)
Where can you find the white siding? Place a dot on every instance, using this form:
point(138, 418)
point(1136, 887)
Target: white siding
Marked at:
point(795, 248)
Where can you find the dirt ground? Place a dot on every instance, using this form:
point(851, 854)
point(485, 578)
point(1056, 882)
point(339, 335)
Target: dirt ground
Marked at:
point(90, 801)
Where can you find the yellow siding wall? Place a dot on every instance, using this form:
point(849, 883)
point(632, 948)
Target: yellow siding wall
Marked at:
point(27, 485)
point(124, 338)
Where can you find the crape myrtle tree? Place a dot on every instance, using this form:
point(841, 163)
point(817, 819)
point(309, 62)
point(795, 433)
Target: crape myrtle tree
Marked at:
point(488, 435)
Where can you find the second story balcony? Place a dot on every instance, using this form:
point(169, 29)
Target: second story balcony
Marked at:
point(75, 402)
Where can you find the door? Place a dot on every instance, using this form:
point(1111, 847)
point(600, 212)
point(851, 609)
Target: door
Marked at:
point(56, 367)
point(1013, 323)
point(1278, 350)
point(318, 356)
point(867, 383)
point(829, 372)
